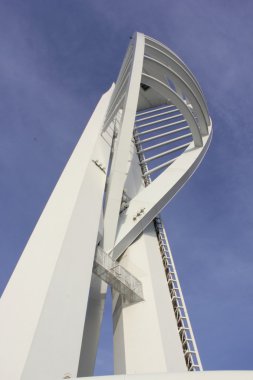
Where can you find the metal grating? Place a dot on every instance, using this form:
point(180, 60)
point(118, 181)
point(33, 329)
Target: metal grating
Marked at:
point(117, 277)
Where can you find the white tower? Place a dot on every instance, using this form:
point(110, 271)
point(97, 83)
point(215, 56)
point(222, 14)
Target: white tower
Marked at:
point(101, 226)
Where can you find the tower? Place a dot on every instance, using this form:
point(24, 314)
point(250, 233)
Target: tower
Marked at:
point(101, 227)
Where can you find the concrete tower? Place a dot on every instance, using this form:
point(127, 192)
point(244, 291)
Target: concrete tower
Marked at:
point(101, 227)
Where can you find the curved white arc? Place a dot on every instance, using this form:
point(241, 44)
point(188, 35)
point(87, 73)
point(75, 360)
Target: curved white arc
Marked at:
point(121, 156)
point(121, 78)
point(174, 57)
point(167, 92)
point(155, 197)
point(170, 62)
point(197, 101)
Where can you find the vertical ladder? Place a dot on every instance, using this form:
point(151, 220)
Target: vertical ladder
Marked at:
point(190, 350)
point(189, 346)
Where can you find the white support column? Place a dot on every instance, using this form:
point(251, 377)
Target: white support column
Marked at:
point(93, 320)
point(121, 156)
point(146, 338)
point(43, 308)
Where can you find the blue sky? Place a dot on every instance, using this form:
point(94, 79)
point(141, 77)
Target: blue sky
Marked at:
point(56, 59)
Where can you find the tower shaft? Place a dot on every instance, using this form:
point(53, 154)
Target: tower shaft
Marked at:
point(101, 227)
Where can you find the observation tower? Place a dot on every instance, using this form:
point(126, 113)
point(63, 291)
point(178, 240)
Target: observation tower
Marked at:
point(102, 228)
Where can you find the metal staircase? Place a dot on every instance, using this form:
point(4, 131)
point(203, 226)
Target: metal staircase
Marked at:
point(111, 272)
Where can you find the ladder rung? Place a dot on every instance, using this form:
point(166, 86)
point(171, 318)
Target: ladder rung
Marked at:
point(189, 352)
point(176, 298)
point(183, 328)
point(188, 340)
point(182, 317)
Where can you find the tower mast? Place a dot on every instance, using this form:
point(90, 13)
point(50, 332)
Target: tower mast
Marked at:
point(102, 227)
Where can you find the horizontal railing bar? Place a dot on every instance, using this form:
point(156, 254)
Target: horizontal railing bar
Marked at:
point(156, 115)
point(157, 121)
point(159, 128)
point(165, 153)
point(159, 167)
point(164, 143)
point(154, 110)
point(164, 134)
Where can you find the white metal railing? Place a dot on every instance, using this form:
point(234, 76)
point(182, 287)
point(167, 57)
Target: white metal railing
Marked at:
point(165, 153)
point(117, 277)
point(159, 128)
point(164, 143)
point(153, 110)
point(160, 114)
point(165, 134)
point(159, 121)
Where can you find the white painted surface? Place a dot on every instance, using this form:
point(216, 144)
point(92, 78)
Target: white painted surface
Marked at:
point(93, 320)
point(146, 338)
point(147, 330)
point(48, 328)
point(166, 56)
point(205, 375)
point(154, 67)
point(121, 155)
point(42, 309)
point(154, 197)
point(168, 93)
